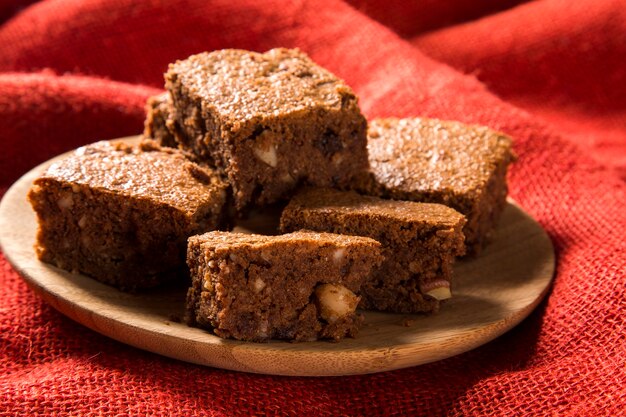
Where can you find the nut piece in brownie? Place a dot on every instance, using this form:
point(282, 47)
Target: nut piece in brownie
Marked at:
point(159, 125)
point(298, 286)
point(445, 162)
point(122, 214)
point(268, 121)
point(420, 242)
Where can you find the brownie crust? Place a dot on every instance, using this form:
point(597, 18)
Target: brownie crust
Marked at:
point(419, 243)
point(268, 121)
point(256, 288)
point(445, 162)
point(122, 214)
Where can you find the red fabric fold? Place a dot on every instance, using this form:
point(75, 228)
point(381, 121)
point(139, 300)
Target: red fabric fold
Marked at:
point(568, 72)
point(549, 73)
point(44, 114)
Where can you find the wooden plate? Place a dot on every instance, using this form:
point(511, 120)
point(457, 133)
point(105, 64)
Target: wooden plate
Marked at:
point(492, 294)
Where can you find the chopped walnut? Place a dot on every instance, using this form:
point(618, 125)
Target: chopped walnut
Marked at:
point(335, 301)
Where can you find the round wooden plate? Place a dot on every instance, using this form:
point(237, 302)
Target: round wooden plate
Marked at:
point(492, 294)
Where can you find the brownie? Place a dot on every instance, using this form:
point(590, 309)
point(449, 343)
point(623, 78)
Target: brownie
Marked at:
point(160, 125)
point(268, 121)
point(420, 242)
point(299, 286)
point(122, 214)
point(446, 162)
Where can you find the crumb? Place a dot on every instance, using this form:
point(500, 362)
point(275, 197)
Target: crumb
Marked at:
point(407, 322)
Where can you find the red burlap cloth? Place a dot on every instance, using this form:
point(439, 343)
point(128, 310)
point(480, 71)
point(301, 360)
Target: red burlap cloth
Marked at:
point(550, 73)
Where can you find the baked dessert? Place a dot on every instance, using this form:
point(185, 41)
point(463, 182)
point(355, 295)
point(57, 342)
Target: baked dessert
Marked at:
point(419, 242)
point(159, 124)
point(122, 214)
point(268, 121)
point(298, 286)
point(446, 162)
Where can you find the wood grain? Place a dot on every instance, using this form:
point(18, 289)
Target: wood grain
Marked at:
point(492, 294)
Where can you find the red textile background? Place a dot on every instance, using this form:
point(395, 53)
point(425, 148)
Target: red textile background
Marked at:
point(550, 73)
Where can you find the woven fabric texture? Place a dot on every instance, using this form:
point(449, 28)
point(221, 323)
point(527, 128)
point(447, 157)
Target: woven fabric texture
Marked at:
point(549, 73)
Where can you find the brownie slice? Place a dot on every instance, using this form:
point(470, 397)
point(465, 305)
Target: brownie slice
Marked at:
point(420, 242)
point(122, 214)
point(444, 162)
point(159, 125)
point(298, 286)
point(268, 121)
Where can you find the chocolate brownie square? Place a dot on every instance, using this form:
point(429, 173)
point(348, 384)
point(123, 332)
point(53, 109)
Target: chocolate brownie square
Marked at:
point(420, 242)
point(298, 286)
point(122, 214)
point(268, 121)
point(446, 162)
